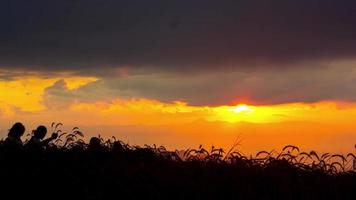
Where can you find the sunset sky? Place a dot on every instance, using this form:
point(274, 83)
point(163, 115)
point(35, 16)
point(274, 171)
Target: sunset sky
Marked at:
point(182, 73)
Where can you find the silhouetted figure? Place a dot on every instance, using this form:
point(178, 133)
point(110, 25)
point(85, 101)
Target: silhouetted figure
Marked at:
point(36, 142)
point(95, 144)
point(13, 139)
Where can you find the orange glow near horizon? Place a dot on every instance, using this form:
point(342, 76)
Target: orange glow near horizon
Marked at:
point(326, 112)
point(180, 125)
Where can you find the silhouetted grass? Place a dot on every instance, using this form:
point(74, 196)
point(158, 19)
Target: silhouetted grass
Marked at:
point(71, 168)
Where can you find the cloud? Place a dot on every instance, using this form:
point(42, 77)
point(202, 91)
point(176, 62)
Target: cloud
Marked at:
point(176, 35)
point(58, 96)
point(201, 52)
point(333, 81)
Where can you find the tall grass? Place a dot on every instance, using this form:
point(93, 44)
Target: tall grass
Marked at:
point(70, 167)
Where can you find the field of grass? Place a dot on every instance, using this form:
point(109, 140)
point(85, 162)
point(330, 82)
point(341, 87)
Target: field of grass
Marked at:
point(103, 169)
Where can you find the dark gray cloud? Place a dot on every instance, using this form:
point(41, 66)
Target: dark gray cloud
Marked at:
point(174, 35)
point(203, 51)
point(333, 81)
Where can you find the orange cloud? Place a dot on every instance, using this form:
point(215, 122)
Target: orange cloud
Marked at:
point(26, 93)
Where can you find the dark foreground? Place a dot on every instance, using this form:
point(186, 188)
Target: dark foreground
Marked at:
point(113, 170)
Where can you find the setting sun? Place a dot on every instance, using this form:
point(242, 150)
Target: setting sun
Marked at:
point(243, 108)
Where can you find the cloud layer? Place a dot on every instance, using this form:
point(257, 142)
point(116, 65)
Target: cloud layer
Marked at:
point(333, 82)
point(174, 35)
point(202, 52)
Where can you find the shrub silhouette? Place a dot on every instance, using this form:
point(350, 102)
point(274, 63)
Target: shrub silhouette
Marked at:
point(67, 167)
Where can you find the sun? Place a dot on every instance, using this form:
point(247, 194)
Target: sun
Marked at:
point(238, 113)
point(242, 108)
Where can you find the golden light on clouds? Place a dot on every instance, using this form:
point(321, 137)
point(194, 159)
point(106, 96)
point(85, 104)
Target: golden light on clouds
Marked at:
point(178, 124)
point(155, 112)
point(26, 93)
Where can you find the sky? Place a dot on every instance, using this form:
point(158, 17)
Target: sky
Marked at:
point(184, 73)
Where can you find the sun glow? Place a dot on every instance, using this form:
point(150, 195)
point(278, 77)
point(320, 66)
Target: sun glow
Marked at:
point(243, 108)
point(152, 112)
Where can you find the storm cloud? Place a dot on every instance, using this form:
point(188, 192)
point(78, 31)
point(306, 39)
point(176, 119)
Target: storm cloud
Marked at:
point(203, 52)
point(333, 82)
point(174, 35)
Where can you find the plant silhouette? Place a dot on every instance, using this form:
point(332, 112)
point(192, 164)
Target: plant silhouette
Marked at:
point(67, 167)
